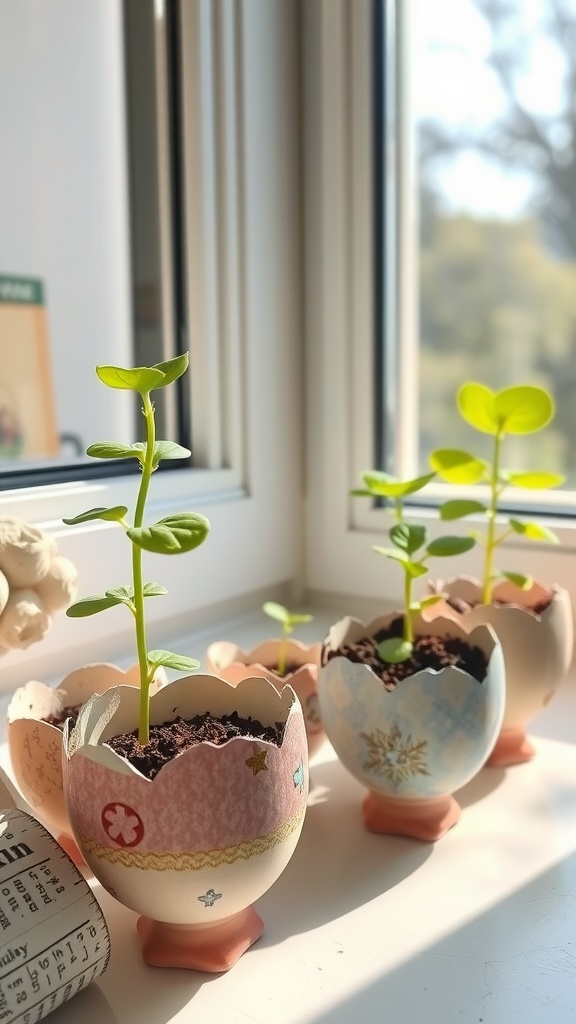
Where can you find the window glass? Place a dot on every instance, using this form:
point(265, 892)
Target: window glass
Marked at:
point(492, 88)
point(79, 273)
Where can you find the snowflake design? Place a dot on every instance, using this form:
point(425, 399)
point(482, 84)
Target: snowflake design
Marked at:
point(298, 777)
point(209, 898)
point(122, 824)
point(397, 758)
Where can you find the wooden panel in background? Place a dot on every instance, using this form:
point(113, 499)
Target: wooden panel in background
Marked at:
point(27, 409)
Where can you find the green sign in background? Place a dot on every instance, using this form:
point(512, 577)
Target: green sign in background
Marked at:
point(25, 290)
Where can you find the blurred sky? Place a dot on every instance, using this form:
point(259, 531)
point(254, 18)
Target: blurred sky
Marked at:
point(453, 83)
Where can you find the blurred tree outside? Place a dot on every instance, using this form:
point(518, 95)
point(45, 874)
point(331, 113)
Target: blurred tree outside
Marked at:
point(498, 286)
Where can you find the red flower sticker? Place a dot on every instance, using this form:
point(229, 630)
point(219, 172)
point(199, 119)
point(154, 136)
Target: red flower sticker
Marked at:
point(122, 824)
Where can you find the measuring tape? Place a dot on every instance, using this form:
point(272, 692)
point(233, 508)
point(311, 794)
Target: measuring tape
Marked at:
point(53, 936)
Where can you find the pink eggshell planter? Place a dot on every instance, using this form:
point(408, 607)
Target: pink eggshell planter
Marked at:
point(230, 662)
point(193, 848)
point(537, 648)
point(35, 746)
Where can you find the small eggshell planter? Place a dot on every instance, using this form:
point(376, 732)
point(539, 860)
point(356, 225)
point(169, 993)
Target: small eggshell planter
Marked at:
point(537, 648)
point(192, 849)
point(35, 746)
point(230, 662)
point(414, 746)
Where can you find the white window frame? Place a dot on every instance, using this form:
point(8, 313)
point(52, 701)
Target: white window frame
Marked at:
point(244, 283)
point(280, 272)
point(341, 567)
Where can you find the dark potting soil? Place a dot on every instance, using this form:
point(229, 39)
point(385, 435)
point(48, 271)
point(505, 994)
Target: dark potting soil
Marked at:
point(435, 652)
point(172, 738)
point(288, 671)
point(461, 606)
point(59, 719)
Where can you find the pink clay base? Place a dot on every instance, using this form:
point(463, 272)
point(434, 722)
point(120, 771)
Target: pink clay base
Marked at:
point(512, 747)
point(69, 846)
point(212, 947)
point(419, 819)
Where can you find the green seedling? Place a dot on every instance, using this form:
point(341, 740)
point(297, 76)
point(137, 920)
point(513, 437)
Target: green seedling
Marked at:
point(288, 621)
point(173, 535)
point(515, 410)
point(411, 549)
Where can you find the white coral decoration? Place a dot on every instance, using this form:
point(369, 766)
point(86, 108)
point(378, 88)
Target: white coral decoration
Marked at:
point(35, 583)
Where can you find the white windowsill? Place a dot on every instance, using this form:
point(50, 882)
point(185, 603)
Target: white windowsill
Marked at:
point(476, 926)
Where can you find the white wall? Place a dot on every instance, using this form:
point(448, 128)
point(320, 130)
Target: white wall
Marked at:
point(63, 193)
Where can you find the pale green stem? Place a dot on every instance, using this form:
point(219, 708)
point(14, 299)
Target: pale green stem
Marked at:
point(144, 717)
point(491, 539)
point(503, 536)
point(408, 629)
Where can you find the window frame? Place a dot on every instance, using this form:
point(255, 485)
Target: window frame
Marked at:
point(342, 314)
point(251, 489)
point(288, 193)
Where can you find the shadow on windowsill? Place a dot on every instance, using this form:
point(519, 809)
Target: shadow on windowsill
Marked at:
point(338, 865)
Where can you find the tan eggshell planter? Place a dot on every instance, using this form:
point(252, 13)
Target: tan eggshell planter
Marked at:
point(35, 746)
point(537, 648)
point(192, 849)
point(414, 746)
point(230, 662)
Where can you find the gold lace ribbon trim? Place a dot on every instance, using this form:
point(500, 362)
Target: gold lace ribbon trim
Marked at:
point(193, 861)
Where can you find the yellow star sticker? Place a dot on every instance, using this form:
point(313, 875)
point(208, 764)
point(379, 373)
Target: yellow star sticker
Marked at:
point(258, 762)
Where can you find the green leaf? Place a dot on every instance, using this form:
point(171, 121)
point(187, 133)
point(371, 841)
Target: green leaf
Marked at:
point(162, 450)
point(431, 599)
point(385, 486)
point(415, 569)
point(141, 379)
point(296, 618)
point(358, 492)
point(534, 531)
point(169, 450)
point(524, 582)
point(477, 405)
point(408, 536)
point(176, 661)
point(516, 410)
point(394, 553)
point(172, 369)
point(395, 650)
point(523, 410)
point(91, 606)
point(154, 590)
point(379, 484)
point(444, 546)
point(535, 481)
point(173, 535)
point(425, 602)
point(458, 508)
point(276, 611)
point(115, 514)
point(458, 467)
point(124, 594)
point(113, 450)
